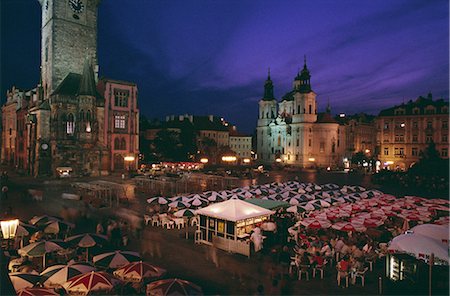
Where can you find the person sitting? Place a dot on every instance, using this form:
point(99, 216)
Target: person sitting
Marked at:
point(317, 259)
point(343, 268)
point(326, 250)
point(356, 252)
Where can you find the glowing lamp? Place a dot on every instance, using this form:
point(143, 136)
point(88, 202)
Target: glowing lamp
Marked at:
point(246, 160)
point(402, 124)
point(204, 160)
point(228, 158)
point(389, 162)
point(311, 159)
point(9, 228)
point(129, 158)
point(278, 160)
point(367, 151)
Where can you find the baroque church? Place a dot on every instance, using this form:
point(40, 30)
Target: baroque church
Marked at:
point(291, 132)
point(74, 120)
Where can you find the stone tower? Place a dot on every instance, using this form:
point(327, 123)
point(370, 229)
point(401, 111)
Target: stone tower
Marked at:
point(68, 35)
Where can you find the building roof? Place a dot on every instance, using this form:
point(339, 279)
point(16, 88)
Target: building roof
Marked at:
point(69, 86)
point(359, 117)
point(288, 96)
point(421, 103)
point(106, 79)
point(204, 123)
point(87, 82)
point(268, 204)
point(325, 117)
point(234, 210)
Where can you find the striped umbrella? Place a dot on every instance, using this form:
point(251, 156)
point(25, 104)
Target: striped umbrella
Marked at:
point(349, 226)
point(22, 280)
point(56, 226)
point(173, 287)
point(37, 292)
point(198, 202)
point(315, 223)
point(179, 204)
point(158, 200)
point(138, 271)
point(41, 248)
point(56, 275)
point(184, 213)
point(24, 229)
point(41, 220)
point(88, 283)
point(87, 240)
point(116, 259)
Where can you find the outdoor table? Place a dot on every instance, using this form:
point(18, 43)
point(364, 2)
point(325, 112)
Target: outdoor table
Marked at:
point(243, 236)
point(179, 222)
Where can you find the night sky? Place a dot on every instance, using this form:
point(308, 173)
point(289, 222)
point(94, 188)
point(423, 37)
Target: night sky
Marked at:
point(211, 57)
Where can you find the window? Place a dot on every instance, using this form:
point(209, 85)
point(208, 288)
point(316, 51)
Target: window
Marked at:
point(386, 126)
point(70, 124)
point(429, 138)
point(116, 144)
point(119, 121)
point(444, 152)
point(402, 151)
point(415, 124)
point(309, 142)
point(88, 115)
point(415, 152)
point(121, 98)
point(445, 124)
point(399, 138)
point(333, 147)
point(298, 142)
point(396, 151)
point(123, 144)
point(310, 109)
point(322, 146)
point(415, 138)
point(429, 124)
point(386, 151)
point(416, 111)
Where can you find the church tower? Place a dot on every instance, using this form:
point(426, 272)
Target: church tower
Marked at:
point(305, 104)
point(68, 35)
point(267, 114)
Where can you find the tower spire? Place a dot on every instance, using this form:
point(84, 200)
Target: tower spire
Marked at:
point(328, 110)
point(268, 88)
point(268, 74)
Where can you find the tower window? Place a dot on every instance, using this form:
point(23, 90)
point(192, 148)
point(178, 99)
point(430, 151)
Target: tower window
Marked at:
point(310, 109)
point(121, 98)
point(119, 121)
point(70, 124)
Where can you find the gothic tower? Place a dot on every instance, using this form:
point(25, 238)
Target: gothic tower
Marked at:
point(68, 35)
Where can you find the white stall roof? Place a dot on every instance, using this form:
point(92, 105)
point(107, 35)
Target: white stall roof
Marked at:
point(234, 210)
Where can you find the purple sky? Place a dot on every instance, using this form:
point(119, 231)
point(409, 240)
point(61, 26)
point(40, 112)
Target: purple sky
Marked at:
point(211, 57)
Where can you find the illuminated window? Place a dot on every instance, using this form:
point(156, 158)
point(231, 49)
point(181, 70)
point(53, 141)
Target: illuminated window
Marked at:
point(322, 147)
point(415, 152)
point(70, 124)
point(386, 151)
point(119, 121)
point(444, 152)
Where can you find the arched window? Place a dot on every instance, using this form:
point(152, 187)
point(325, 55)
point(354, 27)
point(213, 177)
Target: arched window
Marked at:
point(88, 115)
point(116, 144)
point(298, 109)
point(70, 124)
point(310, 109)
point(123, 144)
point(81, 115)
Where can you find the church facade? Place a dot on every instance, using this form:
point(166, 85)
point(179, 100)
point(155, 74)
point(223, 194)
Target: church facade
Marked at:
point(73, 119)
point(292, 132)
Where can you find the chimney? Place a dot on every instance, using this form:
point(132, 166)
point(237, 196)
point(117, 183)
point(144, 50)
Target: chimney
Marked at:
point(211, 118)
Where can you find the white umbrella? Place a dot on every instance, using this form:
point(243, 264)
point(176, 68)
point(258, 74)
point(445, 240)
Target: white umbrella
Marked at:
point(158, 200)
point(116, 259)
point(420, 246)
point(58, 274)
point(434, 231)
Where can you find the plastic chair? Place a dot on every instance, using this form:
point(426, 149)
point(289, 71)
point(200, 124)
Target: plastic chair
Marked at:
point(293, 264)
point(371, 262)
point(304, 269)
point(155, 221)
point(361, 275)
point(319, 268)
point(147, 219)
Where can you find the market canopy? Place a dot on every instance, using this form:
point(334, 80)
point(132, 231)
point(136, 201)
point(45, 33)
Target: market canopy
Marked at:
point(234, 210)
point(267, 203)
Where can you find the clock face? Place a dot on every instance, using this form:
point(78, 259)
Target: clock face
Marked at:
point(44, 146)
point(77, 6)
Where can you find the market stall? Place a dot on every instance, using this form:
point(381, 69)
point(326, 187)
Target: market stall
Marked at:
point(227, 225)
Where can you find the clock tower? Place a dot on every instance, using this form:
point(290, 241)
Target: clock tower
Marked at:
point(69, 35)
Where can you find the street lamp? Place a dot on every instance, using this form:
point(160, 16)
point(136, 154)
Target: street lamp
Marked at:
point(129, 159)
point(9, 228)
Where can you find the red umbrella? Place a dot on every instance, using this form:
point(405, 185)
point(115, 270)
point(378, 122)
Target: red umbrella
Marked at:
point(173, 287)
point(315, 223)
point(87, 283)
point(138, 271)
point(37, 292)
point(348, 226)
